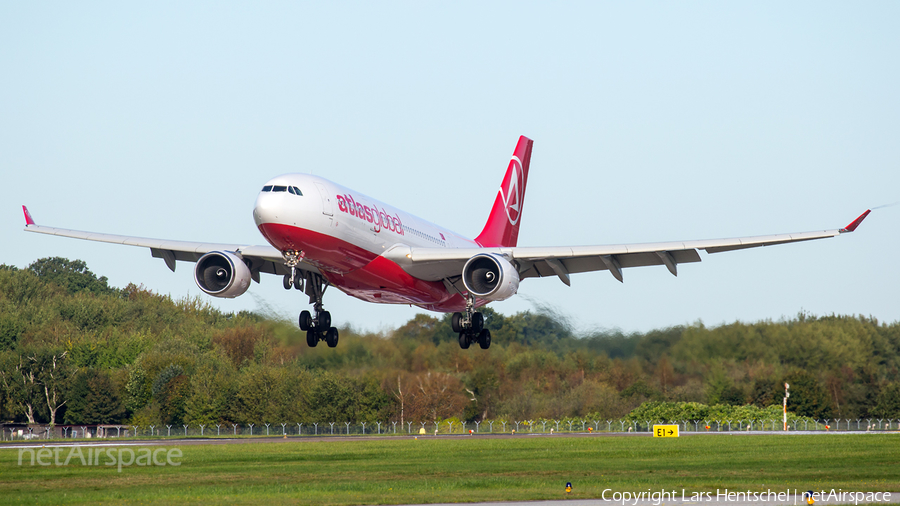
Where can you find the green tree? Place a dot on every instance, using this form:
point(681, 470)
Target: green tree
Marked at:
point(52, 373)
point(165, 376)
point(732, 395)
point(373, 404)
point(483, 386)
point(259, 395)
point(93, 399)
point(888, 402)
point(11, 326)
point(172, 400)
point(533, 329)
point(138, 389)
point(332, 398)
point(89, 312)
point(639, 390)
point(23, 287)
point(766, 392)
point(35, 379)
point(424, 328)
point(808, 398)
point(73, 275)
point(20, 388)
point(213, 390)
point(239, 343)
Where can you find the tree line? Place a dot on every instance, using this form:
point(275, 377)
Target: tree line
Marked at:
point(74, 350)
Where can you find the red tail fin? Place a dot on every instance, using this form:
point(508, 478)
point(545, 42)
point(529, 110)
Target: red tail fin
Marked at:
point(502, 227)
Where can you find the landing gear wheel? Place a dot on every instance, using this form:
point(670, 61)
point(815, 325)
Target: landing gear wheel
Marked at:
point(306, 322)
point(331, 337)
point(287, 282)
point(484, 339)
point(324, 321)
point(463, 340)
point(312, 338)
point(456, 322)
point(298, 282)
point(477, 323)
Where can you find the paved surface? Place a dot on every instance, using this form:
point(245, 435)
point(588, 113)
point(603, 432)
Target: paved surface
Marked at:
point(324, 439)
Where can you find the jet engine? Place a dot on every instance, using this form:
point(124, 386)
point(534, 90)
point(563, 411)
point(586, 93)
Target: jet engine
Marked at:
point(222, 274)
point(490, 276)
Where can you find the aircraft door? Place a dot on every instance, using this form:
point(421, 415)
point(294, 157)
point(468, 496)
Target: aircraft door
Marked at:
point(327, 202)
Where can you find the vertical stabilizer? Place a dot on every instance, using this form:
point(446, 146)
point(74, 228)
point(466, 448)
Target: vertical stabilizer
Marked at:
point(502, 227)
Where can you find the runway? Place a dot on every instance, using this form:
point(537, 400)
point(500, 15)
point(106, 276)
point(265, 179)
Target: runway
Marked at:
point(112, 442)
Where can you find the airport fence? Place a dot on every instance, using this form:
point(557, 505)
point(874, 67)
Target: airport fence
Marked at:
point(438, 427)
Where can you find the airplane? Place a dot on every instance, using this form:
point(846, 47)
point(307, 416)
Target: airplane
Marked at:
point(322, 234)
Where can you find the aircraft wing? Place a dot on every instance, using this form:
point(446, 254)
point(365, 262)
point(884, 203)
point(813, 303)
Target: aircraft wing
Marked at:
point(435, 264)
point(264, 259)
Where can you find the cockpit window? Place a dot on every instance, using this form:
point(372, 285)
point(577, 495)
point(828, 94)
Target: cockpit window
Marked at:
point(290, 189)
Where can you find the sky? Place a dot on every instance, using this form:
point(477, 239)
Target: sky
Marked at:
point(652, 122)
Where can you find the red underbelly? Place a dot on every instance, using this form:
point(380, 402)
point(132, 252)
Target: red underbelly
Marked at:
point(324, 251)
point(359, 272)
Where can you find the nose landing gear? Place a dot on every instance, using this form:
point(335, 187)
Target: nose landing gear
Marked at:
point(470, 326)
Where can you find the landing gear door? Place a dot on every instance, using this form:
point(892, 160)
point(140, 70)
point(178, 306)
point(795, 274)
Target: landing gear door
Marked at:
point(327, 202)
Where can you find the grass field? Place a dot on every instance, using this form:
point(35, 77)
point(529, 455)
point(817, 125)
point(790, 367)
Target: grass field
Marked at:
point(464, 469)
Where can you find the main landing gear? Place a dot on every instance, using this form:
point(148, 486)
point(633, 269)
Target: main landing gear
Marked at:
point(318, 328)
point(317, 325)
point(470, 326)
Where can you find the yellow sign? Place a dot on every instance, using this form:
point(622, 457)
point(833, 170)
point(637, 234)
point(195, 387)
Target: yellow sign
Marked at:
point(665, 431)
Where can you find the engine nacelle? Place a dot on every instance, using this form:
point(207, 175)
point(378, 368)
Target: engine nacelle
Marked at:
point(489, 276)
point(222, 274)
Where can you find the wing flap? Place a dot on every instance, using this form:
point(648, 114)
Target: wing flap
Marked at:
point(579, 264)
point(768, 240)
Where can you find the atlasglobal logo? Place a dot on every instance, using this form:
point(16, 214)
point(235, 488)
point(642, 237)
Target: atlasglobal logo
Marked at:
point(379, 218)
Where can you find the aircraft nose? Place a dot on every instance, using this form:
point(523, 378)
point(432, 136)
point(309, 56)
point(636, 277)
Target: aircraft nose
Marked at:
point(265, 210)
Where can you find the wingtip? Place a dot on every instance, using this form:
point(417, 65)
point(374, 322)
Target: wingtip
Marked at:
point(855, 223)
point(28, 219)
